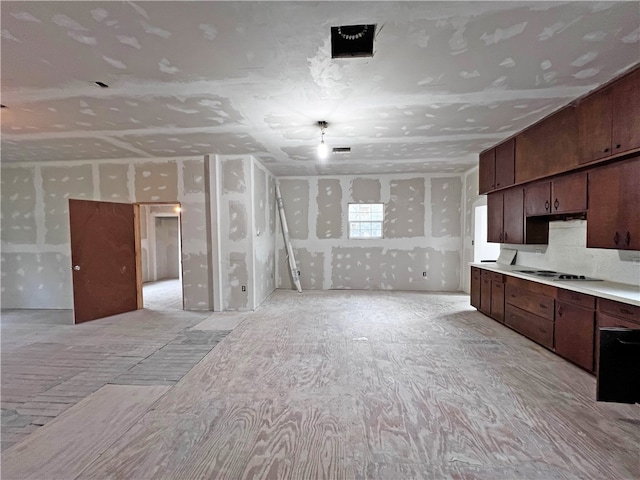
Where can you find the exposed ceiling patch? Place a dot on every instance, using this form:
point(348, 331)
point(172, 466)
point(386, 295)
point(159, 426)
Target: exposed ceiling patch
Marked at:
point(352, 41)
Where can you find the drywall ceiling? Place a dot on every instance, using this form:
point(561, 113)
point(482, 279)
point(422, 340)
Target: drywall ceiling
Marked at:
point(447, 79)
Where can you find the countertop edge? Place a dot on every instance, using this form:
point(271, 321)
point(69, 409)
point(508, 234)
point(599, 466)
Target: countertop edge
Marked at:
point(619, 292)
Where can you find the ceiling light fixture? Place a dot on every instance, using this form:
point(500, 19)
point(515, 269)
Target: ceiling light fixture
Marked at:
point(323, 150)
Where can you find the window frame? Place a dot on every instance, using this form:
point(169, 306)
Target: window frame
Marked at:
point(349, 221)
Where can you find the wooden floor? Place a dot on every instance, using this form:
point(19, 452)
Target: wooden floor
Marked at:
point(326, 385)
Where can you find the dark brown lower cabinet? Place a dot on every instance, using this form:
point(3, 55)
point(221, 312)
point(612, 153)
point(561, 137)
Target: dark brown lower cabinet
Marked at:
point(475, 287)
point(485, 293)
point(575, 328)
point(561, 320)
point(574, 337)
point(538, 329)
point(497, 297)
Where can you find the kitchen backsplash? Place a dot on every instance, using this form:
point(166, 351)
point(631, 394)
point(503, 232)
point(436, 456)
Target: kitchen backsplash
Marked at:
point(567, 252)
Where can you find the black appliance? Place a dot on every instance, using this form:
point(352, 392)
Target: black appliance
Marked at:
point(618, 378)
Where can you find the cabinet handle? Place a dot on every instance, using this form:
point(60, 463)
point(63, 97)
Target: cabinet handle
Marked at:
point(556, 204)
point(606, 150)
point(627, 239)
point(546, 206)
point(616, 238)
point(506, 236)
point(500, 237)
point(542, 306)
point(560, 311)
point(618, 145)
point(624, 310)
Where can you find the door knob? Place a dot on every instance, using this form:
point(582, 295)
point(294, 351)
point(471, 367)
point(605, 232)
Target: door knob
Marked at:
point(76, 268)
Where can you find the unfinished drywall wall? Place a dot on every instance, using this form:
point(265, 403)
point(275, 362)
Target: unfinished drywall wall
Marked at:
point(36, 269)
point(167, 248)
point(264, 239)
point(471, 199)
point(242, 199)
point(422, 232)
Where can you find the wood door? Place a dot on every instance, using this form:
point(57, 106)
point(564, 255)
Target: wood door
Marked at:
point(548, 147)
point(569, 193)
point(613, 219)
point(475, 287)
point(486, 175)
point(514, 215)
point(537, 199)
point(485, 293)
point(626, 113)
point(505, 163)
point(575, 334)
point(594, 126)
point(495, 204)
point(497, 300)
point(103, 256)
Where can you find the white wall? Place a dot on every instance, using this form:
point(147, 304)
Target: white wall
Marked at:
point(567, 252)
point(422, 232)
point(36, 265)
point(242, 231)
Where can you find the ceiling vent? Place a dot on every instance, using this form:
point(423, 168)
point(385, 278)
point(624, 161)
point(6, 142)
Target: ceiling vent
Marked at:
point(341, 150)
point(352, 41)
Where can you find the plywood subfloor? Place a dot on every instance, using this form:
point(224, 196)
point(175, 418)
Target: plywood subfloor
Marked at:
point(375, 385)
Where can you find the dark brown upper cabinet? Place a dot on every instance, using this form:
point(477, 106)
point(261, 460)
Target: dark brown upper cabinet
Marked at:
point(609, 120)
point(562, 195)
point(507, 223)
point(547, 148)
point(497, 167)
point(613, 219)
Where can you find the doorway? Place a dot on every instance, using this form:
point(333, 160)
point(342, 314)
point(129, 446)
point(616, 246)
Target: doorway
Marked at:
point(482, 250)
point(161, 256)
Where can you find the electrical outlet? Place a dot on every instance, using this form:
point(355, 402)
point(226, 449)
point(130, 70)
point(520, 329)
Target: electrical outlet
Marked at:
point(424, 274)
point(298, 272)
point(244, 288)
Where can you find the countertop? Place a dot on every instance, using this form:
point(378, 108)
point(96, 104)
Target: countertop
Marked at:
point(620, 292)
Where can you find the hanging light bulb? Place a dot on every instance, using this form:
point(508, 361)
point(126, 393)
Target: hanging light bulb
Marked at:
point(323, 149)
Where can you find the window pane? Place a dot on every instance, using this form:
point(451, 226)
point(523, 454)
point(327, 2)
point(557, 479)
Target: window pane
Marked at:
point(365, 220)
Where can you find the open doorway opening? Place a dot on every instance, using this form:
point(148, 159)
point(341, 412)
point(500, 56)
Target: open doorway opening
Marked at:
point(482, 250)
point(161, 256)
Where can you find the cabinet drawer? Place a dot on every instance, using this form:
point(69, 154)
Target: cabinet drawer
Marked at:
point(575, 298)
point(534, 303)
point(622, 310)
point(538, 329)
point(534, 287)
point(497, 277)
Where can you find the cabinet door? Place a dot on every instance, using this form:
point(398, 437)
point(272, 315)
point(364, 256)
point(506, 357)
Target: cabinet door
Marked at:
point(538, 329)
point(495, 212)
point(497, 300)
point(513, 216)
point(626, 113)
point(485, 293)
point(548, 147)
point(537, 199)
point(594, 126)
point(569, 193)
point(486, 173)
point(613, 219)
point(505, 163)
point(575, 334)
point(475, 287)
